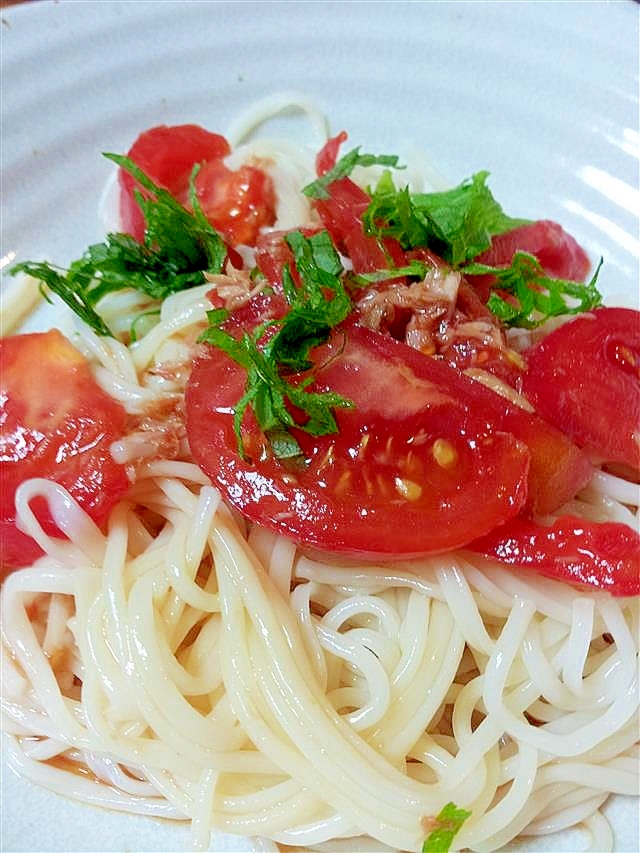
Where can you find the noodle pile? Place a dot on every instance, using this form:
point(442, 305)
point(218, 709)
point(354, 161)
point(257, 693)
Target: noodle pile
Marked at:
point(186, 666)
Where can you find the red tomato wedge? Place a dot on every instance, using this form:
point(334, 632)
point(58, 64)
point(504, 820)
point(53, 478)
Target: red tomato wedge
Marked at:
point(403, 476)
point(341, 215)
point(585, 378)
point(424, 459)
point(558, 252)
point(328, 155)
point(237, 203)
point(166, 154)
point(605, 556)
point(57, 423)
point(558, 468)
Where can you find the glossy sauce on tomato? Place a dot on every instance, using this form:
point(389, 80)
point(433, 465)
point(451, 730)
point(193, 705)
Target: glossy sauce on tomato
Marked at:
point(57, 423)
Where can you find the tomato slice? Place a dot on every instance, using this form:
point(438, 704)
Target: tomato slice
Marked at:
point(341, 215)
point(57, 423)
point(585, 378)
point(272, 256)
point(238, 203)
point(605, 556)
point(558, 467)
point(167, 154)
point(560, 255)
point(328, 155)
point(412, 470)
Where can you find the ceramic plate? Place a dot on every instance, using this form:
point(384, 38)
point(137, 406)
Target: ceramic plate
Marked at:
point(543, 95)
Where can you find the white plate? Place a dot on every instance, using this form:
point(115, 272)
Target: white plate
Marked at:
point(544, 95)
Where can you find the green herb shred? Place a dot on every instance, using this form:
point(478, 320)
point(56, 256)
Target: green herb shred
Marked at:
point(448, 824)
point(316, 307)
point(457, 224)
point(344, 167)
point(179, 246)
point(537, 296)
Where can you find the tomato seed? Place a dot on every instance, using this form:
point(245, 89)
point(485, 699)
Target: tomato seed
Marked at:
point(408, 489)
point(444, 453)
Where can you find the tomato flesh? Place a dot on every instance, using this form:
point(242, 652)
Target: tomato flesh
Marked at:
point(57, 423)
point(273, 255)
point(605, 556)
point(560, 255)
point(237, 203)
point(585, 378)
point(557, 470)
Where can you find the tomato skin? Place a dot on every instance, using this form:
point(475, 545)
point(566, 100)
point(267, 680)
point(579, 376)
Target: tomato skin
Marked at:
point(603, 556)
point(346, 499)
point(167, 155)
point(559, 254)
point(587, 372)
point(57, 423)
